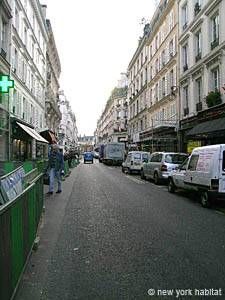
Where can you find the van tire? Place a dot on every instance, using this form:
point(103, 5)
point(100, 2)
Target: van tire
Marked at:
point(156, 178)
point(142, 174)
point(171, 186)
point(205, 199)
point(129, 171)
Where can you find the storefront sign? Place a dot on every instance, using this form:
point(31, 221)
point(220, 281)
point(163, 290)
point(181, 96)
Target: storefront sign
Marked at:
point(193, 144)
point(5, 83)
point(12, 185)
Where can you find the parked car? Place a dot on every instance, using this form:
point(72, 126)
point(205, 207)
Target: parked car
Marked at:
point(161, 164)
point(203, 172)
point(134, 161)
point(88, 157)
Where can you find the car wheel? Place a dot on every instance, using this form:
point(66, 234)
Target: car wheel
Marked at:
point(129, 171)
point(92, 162)
point(142, 174)
point(156, 178)
point(123, 170)
point(205, 199)
point(171, 186)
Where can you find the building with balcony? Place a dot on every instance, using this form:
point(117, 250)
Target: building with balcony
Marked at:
point(52, 112)
point(68, 133)
point(202, 72)
point(137, 90)
point(153, 91)
point(112, 125)
point(28, 70)
point(5, 34)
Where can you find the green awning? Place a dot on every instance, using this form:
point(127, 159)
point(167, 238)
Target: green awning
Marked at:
point(208, 127)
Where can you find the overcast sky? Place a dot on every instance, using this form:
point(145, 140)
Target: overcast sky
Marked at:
point(96, 41)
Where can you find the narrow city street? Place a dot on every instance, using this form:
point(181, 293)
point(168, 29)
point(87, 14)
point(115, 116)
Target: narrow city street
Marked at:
point(115, 236)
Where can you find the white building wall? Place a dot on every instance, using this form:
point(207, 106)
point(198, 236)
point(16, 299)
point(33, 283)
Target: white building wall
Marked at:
point(28, 62)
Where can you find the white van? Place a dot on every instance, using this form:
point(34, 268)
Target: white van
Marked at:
point(134, 161)
point(204, 172)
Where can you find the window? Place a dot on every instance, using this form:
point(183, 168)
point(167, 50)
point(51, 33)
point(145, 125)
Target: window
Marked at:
point(184, 16)
point(17, 23)
point(215, 79)
point(198, 45)
point(163, 57)
point(171, 48)
point(3, 41)
point(185, 57)
point(185, 100)
point(215, 29)
point(171, 78)
point(25, 35)
point(199, 90)
point(156, 42)
point(157, 92)
point(223, 165)
point(163, 86)
point(157, 66)
point(193, 162)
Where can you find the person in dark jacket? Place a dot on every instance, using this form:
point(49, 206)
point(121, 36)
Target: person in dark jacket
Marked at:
point(56, 166)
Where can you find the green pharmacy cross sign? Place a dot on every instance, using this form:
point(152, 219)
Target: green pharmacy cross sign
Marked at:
point(5, 83)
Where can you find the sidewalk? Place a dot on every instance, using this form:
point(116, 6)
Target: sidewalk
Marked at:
point(35, 273)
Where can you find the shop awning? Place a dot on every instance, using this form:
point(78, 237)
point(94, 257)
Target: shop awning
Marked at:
point(32, 133)
point(49, 136)
point(208, 127)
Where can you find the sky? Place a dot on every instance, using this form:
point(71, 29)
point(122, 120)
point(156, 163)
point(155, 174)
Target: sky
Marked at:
point(96, 40)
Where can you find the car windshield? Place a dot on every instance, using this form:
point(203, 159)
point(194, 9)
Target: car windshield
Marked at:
point(137, 156)
point(175, 158)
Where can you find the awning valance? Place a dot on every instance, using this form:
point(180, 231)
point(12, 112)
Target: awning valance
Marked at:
point(208, 127)
point(32, 133)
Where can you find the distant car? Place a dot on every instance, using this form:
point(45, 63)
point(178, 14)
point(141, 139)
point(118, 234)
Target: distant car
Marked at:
point(134, 161)
point(88, 157)
point(161, 164)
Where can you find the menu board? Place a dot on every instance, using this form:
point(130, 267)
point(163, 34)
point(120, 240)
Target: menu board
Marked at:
point(12, 184)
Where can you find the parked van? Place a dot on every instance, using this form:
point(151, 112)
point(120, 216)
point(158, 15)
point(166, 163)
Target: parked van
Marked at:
point(134, 161)
point(204, 172)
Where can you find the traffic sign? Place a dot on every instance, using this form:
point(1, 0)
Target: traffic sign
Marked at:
point(5, 83)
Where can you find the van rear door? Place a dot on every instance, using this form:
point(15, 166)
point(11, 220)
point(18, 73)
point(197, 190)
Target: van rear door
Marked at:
point(222, 177)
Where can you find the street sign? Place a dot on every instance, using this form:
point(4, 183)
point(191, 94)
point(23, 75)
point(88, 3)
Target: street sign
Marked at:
point(5, 83)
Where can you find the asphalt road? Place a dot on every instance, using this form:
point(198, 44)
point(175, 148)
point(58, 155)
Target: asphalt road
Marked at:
point(115, 236)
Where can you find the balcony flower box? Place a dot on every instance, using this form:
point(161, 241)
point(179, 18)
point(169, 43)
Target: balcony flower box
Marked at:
point(213, 98)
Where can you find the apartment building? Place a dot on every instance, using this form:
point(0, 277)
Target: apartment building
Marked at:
point(5, 33)
point(52, 112)
point(112, 125)
point(68, 133)
point(28, 70)
point(202, 72)
point(153, 90)
point(137, 90)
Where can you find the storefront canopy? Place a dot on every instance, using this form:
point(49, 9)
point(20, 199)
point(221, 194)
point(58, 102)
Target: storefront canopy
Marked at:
point(208, 127)
point(32, 133)
point(49, 136)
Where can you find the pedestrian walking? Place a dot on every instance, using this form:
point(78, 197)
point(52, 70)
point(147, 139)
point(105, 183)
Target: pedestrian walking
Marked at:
point(56, 166)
